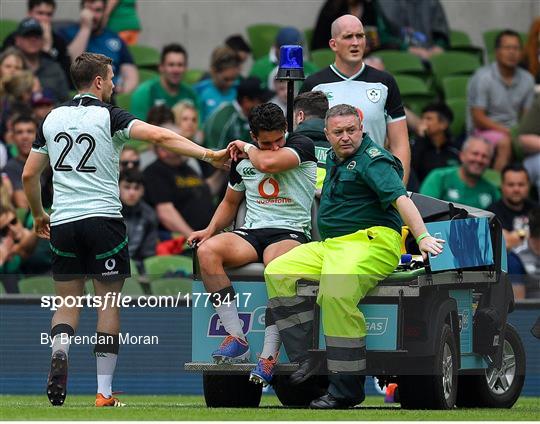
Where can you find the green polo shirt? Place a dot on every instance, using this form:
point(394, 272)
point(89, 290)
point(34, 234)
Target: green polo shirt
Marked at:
point(151, 93)
point(358, 192)
point(226, 124)
point(445, 184)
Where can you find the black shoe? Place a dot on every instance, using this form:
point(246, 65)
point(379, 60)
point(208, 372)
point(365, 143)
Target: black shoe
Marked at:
point(330, 402)
point(57, 381)
point(305, 370)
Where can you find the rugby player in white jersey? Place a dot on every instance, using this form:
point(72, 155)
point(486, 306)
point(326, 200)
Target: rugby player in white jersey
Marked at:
point(82, 140)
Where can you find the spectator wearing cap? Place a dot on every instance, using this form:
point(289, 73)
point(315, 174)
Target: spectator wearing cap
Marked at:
point(265, 65)
point(167, 89)
point(53, 44)
point(498, 95)
point(90, 36)
point(230, 121)
point(434, 149)
point(42, 103)
point(221, 86)
point(29, 40)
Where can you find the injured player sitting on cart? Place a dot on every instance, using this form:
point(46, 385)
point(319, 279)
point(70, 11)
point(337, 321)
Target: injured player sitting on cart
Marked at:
point(276, 177)
point(362, 206)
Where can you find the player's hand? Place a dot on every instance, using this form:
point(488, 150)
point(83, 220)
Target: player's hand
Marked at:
point(198, 237)
point(87, 18)
point(431, 245)
point(42, 226)
point(236, 149)
point(220, 159)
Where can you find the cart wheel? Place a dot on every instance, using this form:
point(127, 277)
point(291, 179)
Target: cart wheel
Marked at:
point(497, 387)
point(437, 391)
point(302, 394)
point(230, 391)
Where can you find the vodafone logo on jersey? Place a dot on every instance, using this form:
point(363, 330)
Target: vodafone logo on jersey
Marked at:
point(269, 188)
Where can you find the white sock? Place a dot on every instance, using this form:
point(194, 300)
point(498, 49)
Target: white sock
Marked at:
point(106, 363)
point(228, 314)
point(61, 342)
point(272, 342)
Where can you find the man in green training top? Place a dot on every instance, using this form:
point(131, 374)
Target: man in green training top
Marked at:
point(362, 206)
point(309, 110)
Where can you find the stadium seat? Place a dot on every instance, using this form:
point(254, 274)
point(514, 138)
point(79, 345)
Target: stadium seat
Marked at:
point(322, 58)
point(261, 38)
point(42, 284)
point(493, 176)
point(414, 92)
point(2, 289)
point(193, 76)
point(459, 110)
point(398, 62)
point(158, 266)
point(171, 286)
point(146, 74)
point(460, 41)
point(123, 100)
point(453, 63)
point(132, 287)
point(455, 86)
point(133, 266)
point(7, 26)
point(138, 145)
point(145, 56)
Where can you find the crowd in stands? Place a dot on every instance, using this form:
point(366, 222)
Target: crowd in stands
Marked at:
point(484, 153)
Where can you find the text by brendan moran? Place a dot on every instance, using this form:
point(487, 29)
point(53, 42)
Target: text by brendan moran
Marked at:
point(123, 339)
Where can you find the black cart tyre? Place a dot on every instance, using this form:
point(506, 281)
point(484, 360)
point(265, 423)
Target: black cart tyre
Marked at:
point(230, 391)
point(497, 387)
point(437, 391)
point(300, 395)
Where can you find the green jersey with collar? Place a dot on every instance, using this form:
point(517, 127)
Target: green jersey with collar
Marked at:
point(372, 91)
point(358, 192)
point(83, 139)
point(281, 200)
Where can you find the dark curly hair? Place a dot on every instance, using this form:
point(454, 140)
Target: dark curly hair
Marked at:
point(267, 117)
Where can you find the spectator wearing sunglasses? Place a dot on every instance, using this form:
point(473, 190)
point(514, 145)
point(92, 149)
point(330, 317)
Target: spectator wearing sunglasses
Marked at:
point(129, 159)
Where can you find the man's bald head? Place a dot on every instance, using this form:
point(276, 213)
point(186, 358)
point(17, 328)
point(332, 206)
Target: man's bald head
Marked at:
point(343, 22)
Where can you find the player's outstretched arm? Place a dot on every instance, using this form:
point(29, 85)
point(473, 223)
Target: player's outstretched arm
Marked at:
point(35, 164)
point(412, 218)
point(223, 217)
point(163, 137)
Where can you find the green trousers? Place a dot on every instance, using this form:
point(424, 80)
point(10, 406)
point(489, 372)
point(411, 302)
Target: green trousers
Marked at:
point(347, 268)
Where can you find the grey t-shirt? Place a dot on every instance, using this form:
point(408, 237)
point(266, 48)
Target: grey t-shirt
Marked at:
point(502, 103)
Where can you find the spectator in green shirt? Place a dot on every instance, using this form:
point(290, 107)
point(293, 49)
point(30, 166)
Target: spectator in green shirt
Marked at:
point(168, 88)
point(121, 17)
point(464, 184)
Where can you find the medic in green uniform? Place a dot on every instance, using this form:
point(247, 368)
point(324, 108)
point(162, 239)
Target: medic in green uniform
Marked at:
point(360, 217)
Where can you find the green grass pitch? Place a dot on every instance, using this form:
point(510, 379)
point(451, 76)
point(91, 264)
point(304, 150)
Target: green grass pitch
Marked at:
point(188, 408)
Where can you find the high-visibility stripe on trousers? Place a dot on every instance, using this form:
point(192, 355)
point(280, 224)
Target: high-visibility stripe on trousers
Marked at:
point(347, 268)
